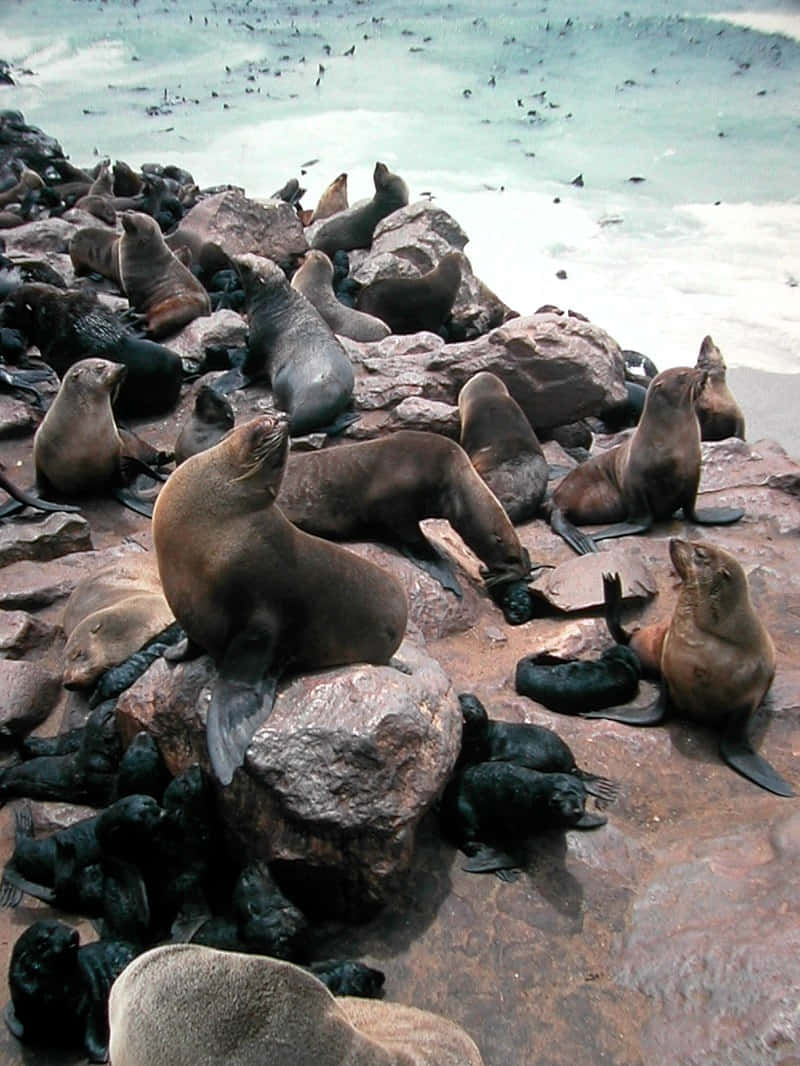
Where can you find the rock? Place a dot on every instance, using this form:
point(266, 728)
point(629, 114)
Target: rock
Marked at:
point(224, 328)
point(50, 817)
point(48, 536)
point(557, 369)
point(334, 782)
point(28, 586)
point(577, 584)
point(17, 418)
point(233, 224)
point(29, 695)
point(21, 633)
point(43, 235)
point(28, 143)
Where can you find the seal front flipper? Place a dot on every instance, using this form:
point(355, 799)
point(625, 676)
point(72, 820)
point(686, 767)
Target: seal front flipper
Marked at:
point(713, 516)
point(601, 788)
point(427, 558)
point(588, 820)
point(488, 860)
point(579, 541)
point(612, 601)
point(735, 749)
point(653, 714)
point(244, 695)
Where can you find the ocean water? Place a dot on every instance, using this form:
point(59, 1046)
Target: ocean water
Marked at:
point(492, 109)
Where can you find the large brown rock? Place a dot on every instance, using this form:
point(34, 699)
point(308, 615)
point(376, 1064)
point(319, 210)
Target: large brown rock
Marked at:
point(29, 693)
point(335, 781)
point(48, 536)
point(43, 235)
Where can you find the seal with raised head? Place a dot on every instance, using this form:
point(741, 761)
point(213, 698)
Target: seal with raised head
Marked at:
point(410, 305)
point(384, 488)
point(154, 280)
point(95, 250)
point(255, 592)
point(354, 227)
point(211, 418)
point(502, 445)
point(647, 477)
point(719, 414)
point(309, 371)
point(314, 279)
point(717, 660)
point(333, 199)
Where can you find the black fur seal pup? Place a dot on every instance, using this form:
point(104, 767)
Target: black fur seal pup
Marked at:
point(354, 227)
point(575, 686)
point(59, 990)
point(211, 418)
point(491, 808)
point(486, 739)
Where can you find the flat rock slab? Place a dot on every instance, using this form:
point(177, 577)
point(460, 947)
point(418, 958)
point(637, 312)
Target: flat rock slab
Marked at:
point(30, 586)
point(577, 584)
point(48, 536)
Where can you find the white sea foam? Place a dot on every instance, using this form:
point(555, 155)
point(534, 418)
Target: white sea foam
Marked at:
point(785, 23)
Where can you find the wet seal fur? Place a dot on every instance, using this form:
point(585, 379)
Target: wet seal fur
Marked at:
point(258, 594)
point(309, 371)
point(314, 279)
point(354, 227)
point(502, 445)
point(717, 660)
point(154, 280)
point(573, 686)
point(247, 1009)
point(719, 414)
point(647, 477)
point(410, 305)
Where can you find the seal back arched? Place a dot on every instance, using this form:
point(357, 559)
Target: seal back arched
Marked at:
point(255, 592)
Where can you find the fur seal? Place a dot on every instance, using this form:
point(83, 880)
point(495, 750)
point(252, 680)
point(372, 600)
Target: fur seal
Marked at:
point(385, 487)
point(494, 806)
point(73, 325)
point(719, 414)
point(314, 279)
point(410, 305)
point(29, 500)
point(310, 373)
point(717, 659)
point(246, 1009)
point(354, 227)
point(94, 250)
point(154, 280)
point(255, 592)
point(333, 199)
point(647, 477)
point(211, 418)
point(573, 686)
point(502, 446)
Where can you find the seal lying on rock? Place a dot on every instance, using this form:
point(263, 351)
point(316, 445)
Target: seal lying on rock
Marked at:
point(258, 594)
point(717, 660)
point(646, 478)
point(574, 686)
point(247, 1009)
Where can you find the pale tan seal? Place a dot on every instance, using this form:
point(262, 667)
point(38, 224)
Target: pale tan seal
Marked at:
point(647, 477)
point(719, 414)
point(187, 1005)
point(95, 250)
point(258, 594)
point(156, 283)
point(502, 445)
point(354, 227)
point(717, 659)
point(333, 199)
point(314, 279)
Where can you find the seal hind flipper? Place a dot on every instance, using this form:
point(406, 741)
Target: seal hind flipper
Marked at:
point(243, 698)
point(713, 516)
point(488, 860)
point(26, 498)
point(653, 714)
point(133, 502)
point(623, 529)
point(602, 788)
point(735, 749)
point(588, 820)
point(579, 541)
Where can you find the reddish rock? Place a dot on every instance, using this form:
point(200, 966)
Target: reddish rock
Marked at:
point(29, 586)
point(21, 633)
point(46, 536)
point(29, 695)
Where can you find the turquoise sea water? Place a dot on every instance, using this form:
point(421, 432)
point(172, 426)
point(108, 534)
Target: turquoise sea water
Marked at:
point(493, 109)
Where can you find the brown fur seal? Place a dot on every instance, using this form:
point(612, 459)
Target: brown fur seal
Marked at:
point(189, 1005)
point(647, 477)
point(314, 280)
point(501, 443)
point(28, 179)
point(154, 280)
point(717, 659)
point(211, 418)
point(255, 592)
point(94, 250)
point(410, 305)
point(333, 200)
point(309, 371)
point(386, 487)
point(719, 414)
point(354, 227)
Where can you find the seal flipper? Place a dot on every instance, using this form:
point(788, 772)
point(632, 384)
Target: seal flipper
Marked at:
point(488, 860)
point(601, 788)
point(623, 529)
point(243, 698)
point(653, 714)
point(579, 541)
point(423, 554)
point(133, 502)
point(588, 820)
point(735, 749)
point(25, 498)
point(612, 600)
point(15, 1026)
point(713, 516)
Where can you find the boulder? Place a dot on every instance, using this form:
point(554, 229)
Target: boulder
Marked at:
point(21, 633)
point(48, 536)
point(29, 695)
point(28, 143)
point(223, 328)
point(43, 235)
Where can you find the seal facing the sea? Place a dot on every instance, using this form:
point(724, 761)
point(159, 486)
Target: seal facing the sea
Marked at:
point(314, 279)
point(309, 372)
point(502, 446)
point(717, 660)
point(257, 593)
point(647, 477)
point(409, 305)
point(154, 280)
point(719, 414)
point(354, 227)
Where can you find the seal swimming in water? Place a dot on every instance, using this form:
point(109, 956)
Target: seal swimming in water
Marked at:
point(314, 279)
point(719, 414)
point(410, 305)
point(717, 660)
point(309, 372)
point(502, 446)
point(242, 1010)
point(354, 227)
point(258, 594)
point(647, 477)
